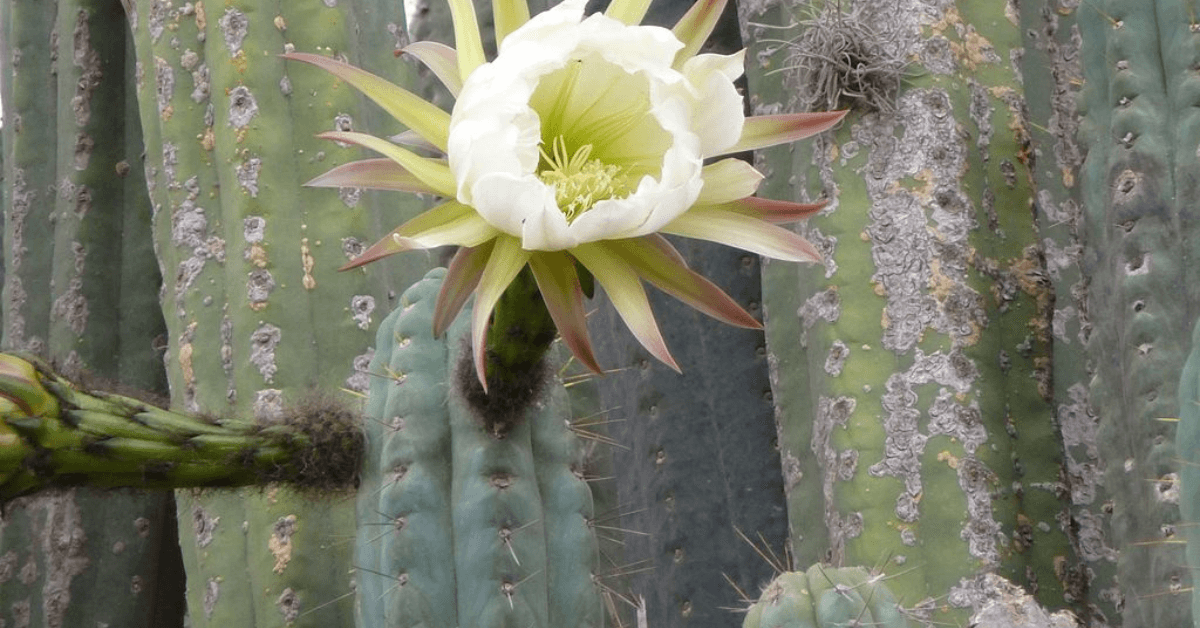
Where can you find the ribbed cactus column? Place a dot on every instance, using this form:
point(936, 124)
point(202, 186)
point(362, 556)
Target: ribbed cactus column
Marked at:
point(1139, 191)
point(257, 314)
point(1187, 442)
point(1053, 78)
point(459, 527)
point(81, 288)
point(911, 372)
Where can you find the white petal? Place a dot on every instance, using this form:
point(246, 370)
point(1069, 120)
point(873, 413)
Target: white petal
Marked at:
point(719, 115)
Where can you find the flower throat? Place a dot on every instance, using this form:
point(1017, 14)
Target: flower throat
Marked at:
point(579, 181)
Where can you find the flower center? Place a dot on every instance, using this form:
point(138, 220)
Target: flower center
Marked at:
point(580, 181)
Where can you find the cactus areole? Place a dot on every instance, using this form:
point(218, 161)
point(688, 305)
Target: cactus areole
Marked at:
point(571, 153)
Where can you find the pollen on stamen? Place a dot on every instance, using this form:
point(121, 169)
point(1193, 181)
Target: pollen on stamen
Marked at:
point(580, 182)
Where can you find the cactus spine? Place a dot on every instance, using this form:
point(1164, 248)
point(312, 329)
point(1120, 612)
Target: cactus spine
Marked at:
point(911, 373)
point(825, 597)
point(456, 526)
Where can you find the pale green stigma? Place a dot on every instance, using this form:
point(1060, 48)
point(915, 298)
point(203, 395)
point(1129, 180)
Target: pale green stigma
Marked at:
point(579, 181)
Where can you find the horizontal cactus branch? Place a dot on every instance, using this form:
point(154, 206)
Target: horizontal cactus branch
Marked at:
point(55, 433)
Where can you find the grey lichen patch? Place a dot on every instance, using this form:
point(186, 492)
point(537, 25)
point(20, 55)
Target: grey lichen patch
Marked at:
point(160, 11)
point(360, 377)
point(833, 413)
point(234, 28)
point(242, 107)
point(84, 144)
point(64, 546)
point(247, 175)
point(170, 157)
point(825, 305)
point(87, 60)
point(361, 307)
point(280, 543)
point(982, 532)
point(8, 566)
point(262, 350)
point(204, 525)
point(212, 592)
point(836, 359)
point(71, 306)
point(1080, 428)
point(350, 196)
point(201, 84)
point(259, 285)
point(998, 603)
point(288, 604)
point(268, 405)
point(905, 443)
point(164, 87)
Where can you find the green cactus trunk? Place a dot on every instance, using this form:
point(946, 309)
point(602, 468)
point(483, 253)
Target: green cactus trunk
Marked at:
point(912, 371)
point(80, 273)
point(256, 313)
point(458, 527)
point(1140, 189)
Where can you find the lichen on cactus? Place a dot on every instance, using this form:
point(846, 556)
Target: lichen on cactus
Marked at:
point(459, 526)
point(826, 597)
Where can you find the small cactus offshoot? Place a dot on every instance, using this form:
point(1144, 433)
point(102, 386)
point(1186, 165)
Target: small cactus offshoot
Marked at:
point(825, 597)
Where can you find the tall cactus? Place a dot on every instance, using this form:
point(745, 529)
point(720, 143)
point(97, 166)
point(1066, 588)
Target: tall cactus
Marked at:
point(911, 373)
point(458, 527)
point(1139, 190)
point(256, 313)
point(80, 288)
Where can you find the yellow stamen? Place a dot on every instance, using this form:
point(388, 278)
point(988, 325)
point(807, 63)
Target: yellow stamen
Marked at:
point(579, 181)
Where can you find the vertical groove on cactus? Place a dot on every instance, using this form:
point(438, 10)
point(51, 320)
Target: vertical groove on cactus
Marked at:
point(458, 526)
point(911, 371)
point(1139, 195)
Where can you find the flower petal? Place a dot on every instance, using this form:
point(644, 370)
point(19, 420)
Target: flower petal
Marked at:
point(625, 290)
point(630, 12)
point(559, 285)
point(695, 26)
point(509, 15)
point(433, 173)
point(372, 174)
point(507, 259)
point(771, 210)
point(411, 110)
point(718, 116)
point(728, 180)
point(448, 223)
point(461, 279)
point(441, 59)
point(657, 261)
point(763, 131)
point(743, 232)
point(467, 41)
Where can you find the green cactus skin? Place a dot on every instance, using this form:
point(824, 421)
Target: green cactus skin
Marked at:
point(80, 274)
point(256, 312)
point(1139, 190)
point(911, 372)
point(458, 527)
point(1187, 442)
point(826, 597)
point(102, 439)
point(1053, 78)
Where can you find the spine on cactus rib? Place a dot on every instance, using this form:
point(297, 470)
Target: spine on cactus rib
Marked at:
point(1187, 442)
point(824, 597)
point(459, 526)
point(1139, 192)
point(911, 371)
point(405, 543)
